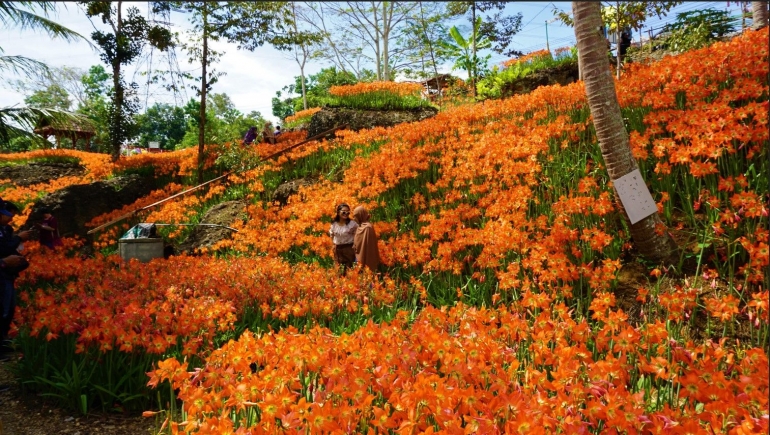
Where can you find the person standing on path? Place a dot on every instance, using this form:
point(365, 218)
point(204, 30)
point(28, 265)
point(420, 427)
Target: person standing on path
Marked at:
point(365, 240)
point(251, 136)
point(49, 229)
point(342, 231)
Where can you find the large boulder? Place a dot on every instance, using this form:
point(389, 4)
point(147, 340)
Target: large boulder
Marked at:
point(289, 188)
point(561, 75)
point(223, 215)
point(42, 172)
point(330, 117)
point(74, 206)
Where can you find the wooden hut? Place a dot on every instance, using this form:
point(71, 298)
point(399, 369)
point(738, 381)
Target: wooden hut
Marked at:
point(75, 130)
point(434, 86)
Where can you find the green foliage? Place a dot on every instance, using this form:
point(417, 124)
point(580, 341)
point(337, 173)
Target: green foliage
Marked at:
point(494, 84)
point(84, 381)
point(696, 29)
point(496, 27)
point(316, 89)
point(224, 123)
point(22, 144)
point(161, 123)
point(379, 101)
point(96, 106)
point(54, 96)
point(464, 51)
point(632, 13)
point(283, 108)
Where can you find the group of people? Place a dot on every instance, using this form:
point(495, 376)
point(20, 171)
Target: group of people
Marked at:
point(354, 238)
point(268, 134)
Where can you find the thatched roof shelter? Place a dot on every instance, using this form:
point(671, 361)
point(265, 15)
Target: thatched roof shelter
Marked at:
point(74, 129)
point(435, 84)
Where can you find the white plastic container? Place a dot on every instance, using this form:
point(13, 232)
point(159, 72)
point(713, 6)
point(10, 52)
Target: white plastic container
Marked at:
point(143, 250)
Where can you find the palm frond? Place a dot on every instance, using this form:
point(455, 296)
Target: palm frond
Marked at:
point(20, 121)
point(12, 16)
point(23, 66)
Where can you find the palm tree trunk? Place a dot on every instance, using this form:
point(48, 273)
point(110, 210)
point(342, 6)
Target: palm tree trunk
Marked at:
point(649, 234)
point(617, 38)
point(759, 14)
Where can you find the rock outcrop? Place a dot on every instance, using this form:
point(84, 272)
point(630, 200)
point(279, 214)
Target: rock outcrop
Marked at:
point(561, 75)
point(35, 173)
point(330, 117)
point(224, 215)
point(289, 188)
point(76, 205)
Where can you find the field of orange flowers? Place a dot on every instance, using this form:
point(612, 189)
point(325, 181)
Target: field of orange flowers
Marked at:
point(499, 309)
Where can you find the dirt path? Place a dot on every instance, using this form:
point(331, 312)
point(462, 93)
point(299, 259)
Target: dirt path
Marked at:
point(31, 415)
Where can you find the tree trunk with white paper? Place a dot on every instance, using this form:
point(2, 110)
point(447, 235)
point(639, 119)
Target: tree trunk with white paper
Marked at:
point(649, 234)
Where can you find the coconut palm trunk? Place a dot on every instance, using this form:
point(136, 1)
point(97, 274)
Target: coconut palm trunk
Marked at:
point(759, 15)
point(649, 234)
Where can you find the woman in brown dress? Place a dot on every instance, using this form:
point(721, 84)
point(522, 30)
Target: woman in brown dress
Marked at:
point(365, 240)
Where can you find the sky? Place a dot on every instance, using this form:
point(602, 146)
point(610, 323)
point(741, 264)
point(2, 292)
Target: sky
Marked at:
point(252, 78)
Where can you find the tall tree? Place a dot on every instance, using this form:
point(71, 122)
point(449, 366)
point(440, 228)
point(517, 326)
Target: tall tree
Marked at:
point(375, 25)
point(207, 25)
point(314, 15)
point(353, 32)
point(127, 35)
point(759, 14)
point(248, 24)
point(652, 242)
point(419, 40)
point(302, 45)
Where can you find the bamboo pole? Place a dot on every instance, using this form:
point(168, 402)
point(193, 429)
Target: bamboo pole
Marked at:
point(271, 156)
point(194, 225)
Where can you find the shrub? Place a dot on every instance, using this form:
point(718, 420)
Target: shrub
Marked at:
point(492, 85)
point(379, 96)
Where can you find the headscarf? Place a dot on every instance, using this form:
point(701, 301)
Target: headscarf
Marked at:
point(251, 135)
point(365, 240)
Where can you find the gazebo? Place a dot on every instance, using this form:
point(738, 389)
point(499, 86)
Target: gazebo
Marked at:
point(435, 85)
point(71, 129)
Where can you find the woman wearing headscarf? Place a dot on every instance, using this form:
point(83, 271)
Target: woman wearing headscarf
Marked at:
point(365, 240)
point(342, 231)
point(251, 136)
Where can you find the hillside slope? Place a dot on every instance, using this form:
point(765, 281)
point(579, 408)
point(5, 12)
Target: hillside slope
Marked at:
point(499, 307)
